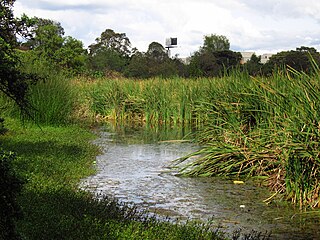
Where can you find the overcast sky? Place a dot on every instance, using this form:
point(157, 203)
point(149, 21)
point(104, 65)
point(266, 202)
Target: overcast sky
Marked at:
point(262, 26)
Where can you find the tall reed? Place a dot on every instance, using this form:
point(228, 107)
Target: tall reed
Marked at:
point(52, 98)
point(264, 127)
point(153, 101)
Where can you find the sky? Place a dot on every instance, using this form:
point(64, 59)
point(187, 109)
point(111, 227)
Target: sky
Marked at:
point(261, 26)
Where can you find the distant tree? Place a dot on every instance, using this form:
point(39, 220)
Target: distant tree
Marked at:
point(254, 65)
point(299, 59)
point(138, 66)
point(111, 52)
point(227, 59)
point(110, 40)
point(214, 58)
point(203, 64)
point(159, 63)
point(214, 43)
point(71, 55)
point(155, 62)
point(157, 52)
point(47, 37)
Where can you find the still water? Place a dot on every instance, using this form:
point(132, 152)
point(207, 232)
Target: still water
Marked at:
point(135, 168)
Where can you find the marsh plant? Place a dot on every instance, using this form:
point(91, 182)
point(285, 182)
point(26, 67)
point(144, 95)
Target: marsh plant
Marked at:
point(265, 127)
point(52, 99)
point(153, 101)
point(250, 126)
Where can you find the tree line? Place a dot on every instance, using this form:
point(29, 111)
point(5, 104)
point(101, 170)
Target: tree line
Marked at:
point(112, 54)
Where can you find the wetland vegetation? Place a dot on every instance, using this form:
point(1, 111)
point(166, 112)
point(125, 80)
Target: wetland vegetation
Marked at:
point(249, 121)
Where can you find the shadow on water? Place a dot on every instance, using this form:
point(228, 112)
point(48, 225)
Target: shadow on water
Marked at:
point(134, 168)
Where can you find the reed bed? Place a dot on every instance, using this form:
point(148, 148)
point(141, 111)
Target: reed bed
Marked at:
point(153, 101)
point(264, 127)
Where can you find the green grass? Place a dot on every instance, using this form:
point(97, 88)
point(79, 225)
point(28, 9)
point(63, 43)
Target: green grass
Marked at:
point(53, 160)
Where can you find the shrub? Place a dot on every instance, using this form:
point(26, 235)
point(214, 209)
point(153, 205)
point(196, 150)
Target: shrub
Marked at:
point(10, 186)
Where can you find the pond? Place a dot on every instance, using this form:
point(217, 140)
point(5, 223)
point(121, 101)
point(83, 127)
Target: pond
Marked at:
point(135, 168)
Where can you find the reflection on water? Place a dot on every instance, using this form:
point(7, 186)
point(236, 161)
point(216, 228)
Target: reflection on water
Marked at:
point(134, 168)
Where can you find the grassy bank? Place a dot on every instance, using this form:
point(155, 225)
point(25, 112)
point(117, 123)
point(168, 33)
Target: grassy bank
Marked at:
point(53, 160)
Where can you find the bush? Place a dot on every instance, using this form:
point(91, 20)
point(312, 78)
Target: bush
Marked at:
point(10, 186)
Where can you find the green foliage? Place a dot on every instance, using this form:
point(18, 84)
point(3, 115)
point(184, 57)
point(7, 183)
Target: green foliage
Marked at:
point(71, 55)
point(264, 127)
point(13, 82)
point(138, 66)
point(2, 128)
point(215, 43)
point(254, 65)
point(110, 40)
point(48, 38)
point(52, 98)
point(298, 59)
point(107, 60)
point(48, 43)
point(153, 101)
point(10, 187)
point(154, 63)
point(211, 64)
point(110, 52)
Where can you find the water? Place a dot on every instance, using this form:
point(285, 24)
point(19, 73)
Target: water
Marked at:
point(134, 167)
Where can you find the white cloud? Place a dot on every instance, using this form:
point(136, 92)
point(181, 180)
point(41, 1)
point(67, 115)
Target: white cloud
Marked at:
point(269, 25)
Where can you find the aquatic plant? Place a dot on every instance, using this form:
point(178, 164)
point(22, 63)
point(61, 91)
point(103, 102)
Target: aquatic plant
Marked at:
point(264, 127)
point(153, 101)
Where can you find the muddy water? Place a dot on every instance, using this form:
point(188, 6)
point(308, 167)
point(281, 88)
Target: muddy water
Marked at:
point(134, 168)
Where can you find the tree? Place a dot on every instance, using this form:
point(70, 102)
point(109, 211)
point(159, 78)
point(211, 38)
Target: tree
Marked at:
point(299, 59)
point(71, 55)
point(254, 65)
point(159, 63)
point(157, 52)
point(14, 84)
point(214, 57)
point(214, 43)
point(203, 64)
point(49, 44)
point(47, 36)
point(138, 66)
point(110, 40)
point(111, 52)
point(155, 62)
